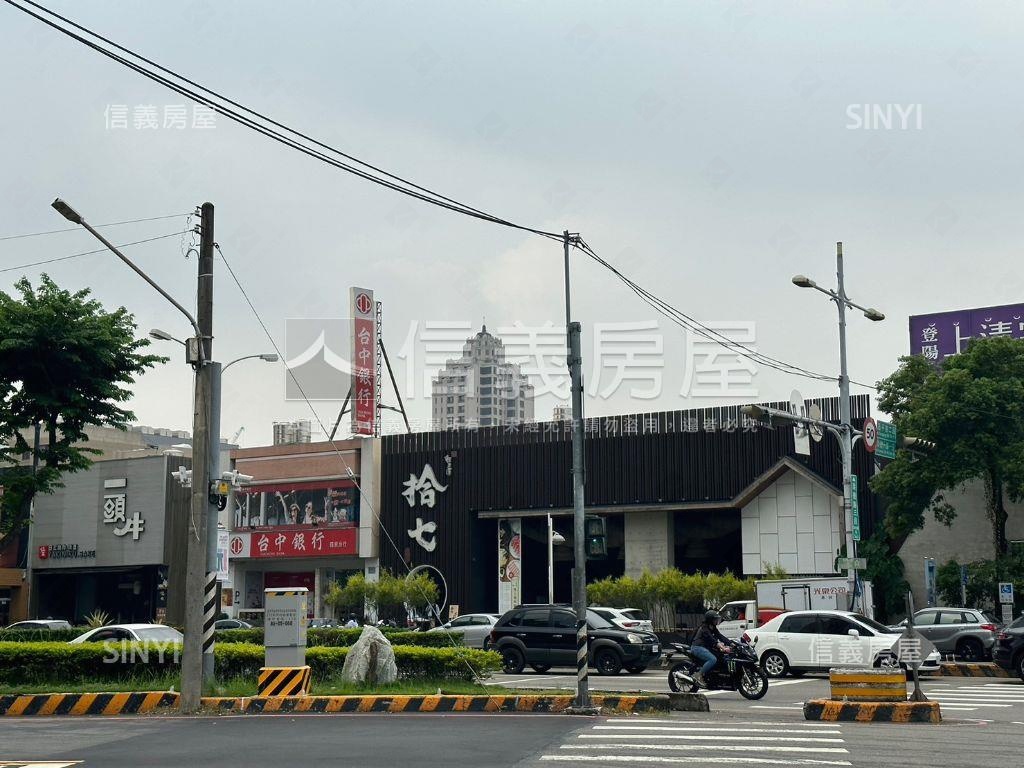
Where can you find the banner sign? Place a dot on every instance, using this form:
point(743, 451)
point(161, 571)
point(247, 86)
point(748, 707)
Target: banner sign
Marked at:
point(510, 560)
point(940, 335)
point(364, 361)
point(310, 542)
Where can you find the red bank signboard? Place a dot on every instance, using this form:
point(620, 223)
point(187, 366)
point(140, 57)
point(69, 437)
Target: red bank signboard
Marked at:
point(308, 542)
point(364, 361)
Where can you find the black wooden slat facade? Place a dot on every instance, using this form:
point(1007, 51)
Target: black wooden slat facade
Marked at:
point(496, 469)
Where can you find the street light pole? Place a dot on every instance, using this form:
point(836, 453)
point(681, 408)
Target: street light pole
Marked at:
point(199, 352)
point(846, 430)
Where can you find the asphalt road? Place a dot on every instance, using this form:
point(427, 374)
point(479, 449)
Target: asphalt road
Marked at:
point(961, 698)
point(740, 739)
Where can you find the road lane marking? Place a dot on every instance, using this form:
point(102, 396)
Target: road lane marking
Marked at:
point(703, 760)
point(827, 726)
point(767, 706)
point(708, 737)
point(706, 729)
point(717, 747)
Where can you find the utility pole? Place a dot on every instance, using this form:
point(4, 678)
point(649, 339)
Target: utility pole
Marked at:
point(847, 428)
point(32, 601)
point(197, 569)
point(579, 574)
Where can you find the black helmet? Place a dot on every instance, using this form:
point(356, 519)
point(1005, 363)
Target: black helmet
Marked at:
point(712, 616)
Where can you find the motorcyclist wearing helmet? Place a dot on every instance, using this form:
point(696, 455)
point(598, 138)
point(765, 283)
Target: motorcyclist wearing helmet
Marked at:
point(707, 643)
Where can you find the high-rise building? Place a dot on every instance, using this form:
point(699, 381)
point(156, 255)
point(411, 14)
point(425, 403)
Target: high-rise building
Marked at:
point(290, 432)
point(480, 388)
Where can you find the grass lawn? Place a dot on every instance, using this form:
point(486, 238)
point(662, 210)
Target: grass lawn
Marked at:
point(247, 687)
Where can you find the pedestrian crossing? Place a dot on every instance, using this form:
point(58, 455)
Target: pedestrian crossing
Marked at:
point(969, 698)
point(622, 741)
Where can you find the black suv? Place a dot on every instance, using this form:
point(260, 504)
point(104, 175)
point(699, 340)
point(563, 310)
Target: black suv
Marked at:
point(544, 636)
point(1008, 652)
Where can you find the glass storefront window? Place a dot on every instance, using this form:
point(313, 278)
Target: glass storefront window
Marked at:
point(331, 505)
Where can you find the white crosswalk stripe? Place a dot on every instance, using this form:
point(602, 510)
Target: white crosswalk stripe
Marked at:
point(680, 742)
point(970, 698)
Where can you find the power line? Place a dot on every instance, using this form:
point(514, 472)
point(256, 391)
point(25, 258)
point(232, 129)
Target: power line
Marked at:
point(410, 189)
point(87, 253)
point(78, 229)
point(395, 183)
point(691, 324)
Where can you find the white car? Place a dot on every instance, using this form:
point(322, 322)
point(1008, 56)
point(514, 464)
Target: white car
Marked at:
point(474, 627)
point(133, 633)
point(804, 641)
point(625, 618)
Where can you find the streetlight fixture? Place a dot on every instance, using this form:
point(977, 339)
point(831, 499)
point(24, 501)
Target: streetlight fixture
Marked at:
point(159, 335)
point(845, 431)
point(74, 217)
point(270, 357)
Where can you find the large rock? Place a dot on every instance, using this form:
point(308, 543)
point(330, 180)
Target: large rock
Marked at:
point(371, 659)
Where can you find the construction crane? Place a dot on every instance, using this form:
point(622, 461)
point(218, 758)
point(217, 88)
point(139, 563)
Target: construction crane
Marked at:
point(238, 434)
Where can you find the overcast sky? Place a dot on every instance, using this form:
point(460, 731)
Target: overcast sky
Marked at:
point(709, 150)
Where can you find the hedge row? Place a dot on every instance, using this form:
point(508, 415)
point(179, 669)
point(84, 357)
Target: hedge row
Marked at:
point(344, 637)
point(314, 637)
point(41, 662)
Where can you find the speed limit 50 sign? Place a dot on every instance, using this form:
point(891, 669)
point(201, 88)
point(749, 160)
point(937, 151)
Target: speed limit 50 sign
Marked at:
point(870, 435)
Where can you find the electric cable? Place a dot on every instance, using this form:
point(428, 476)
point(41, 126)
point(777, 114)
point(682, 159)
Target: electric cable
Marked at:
point(97, 226)
point(412, 190)
point(88, 253)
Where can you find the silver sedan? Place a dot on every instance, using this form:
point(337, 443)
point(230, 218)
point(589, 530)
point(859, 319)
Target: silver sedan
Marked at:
point(474, 627)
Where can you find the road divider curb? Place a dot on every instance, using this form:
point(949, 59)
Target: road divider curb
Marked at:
point(963, 669)
point(442, 703)
point(144, 702)
point(139, 703)
point(873, 712)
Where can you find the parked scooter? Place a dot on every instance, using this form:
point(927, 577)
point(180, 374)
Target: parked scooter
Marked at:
point(739, 671)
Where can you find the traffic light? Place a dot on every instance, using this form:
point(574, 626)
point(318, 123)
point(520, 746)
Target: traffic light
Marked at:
point(597, 541)
point(917, 444)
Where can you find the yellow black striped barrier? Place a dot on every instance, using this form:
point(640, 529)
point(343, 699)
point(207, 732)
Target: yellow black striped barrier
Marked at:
point(964, 669)
point(86, 703)
point(283, 681)
point(873, 712)
point(442, 703)
point(867, 685)
point(147, 702)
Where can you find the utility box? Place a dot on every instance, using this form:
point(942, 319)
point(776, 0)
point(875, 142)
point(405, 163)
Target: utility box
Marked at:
point(284, 627)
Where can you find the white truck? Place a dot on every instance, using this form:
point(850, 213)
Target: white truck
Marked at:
point(780, 595)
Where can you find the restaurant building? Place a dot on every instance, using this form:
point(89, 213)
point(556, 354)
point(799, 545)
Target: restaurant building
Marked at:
point(103, 541)
point(700, 490)
point(307, 519)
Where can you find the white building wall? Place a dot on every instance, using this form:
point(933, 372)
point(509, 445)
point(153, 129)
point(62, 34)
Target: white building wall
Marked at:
point(650, 541)
point(793, 523)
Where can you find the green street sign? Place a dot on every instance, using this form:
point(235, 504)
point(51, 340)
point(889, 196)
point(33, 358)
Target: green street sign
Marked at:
point(856, 563)
point(855, 505)
point(886, 441)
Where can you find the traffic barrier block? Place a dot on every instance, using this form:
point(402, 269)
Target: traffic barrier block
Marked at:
point(283, 681)
point(86, 703)
point(964, 669)
point(873, 712)
point(867, 684)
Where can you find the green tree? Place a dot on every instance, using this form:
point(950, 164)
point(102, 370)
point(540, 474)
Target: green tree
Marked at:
point(66, 364)
point(353, 596)
point(947, 583)
point(421, 593)
point(885, 572)
point(972, 407)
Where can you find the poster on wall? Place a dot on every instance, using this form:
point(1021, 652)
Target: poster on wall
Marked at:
point(510, 572)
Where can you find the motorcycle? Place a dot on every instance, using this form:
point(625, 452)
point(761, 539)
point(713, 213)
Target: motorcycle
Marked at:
point(738, 671)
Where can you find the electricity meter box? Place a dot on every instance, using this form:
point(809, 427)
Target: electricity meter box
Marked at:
point(284, 626)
